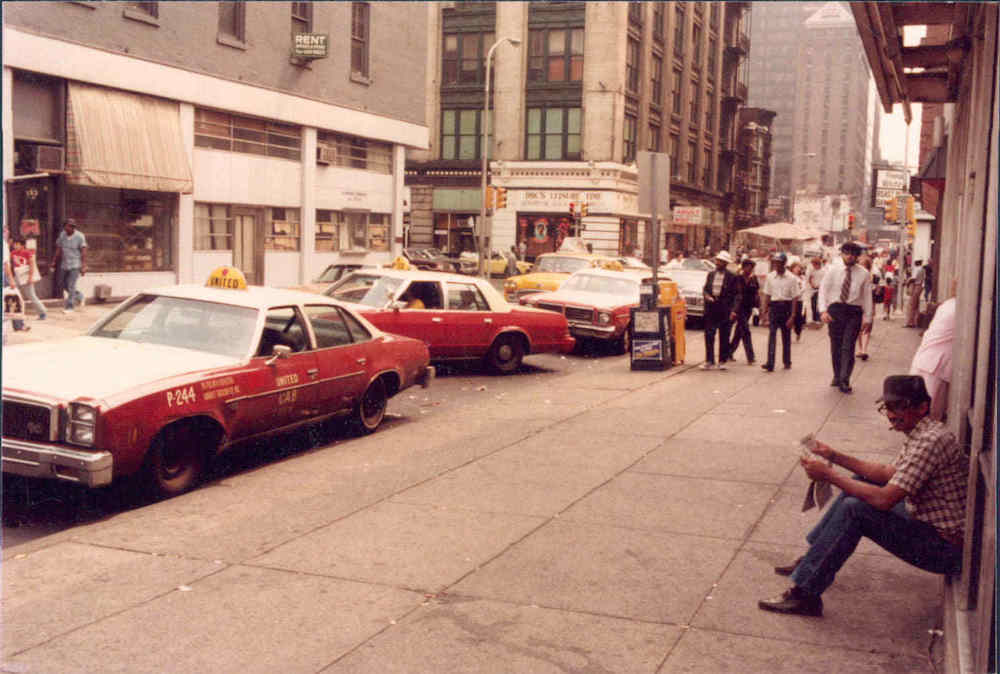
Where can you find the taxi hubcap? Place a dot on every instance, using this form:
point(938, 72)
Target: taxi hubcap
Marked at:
point(505, 352)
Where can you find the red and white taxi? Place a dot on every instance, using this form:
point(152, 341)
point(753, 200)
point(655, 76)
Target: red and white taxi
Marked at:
point(458, 317)
point(175, 375)
point(597, 303)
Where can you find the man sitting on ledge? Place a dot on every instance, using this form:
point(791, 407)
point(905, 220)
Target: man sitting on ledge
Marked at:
point(914, 508)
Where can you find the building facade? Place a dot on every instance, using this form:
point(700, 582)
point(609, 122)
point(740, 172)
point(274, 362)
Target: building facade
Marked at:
point(807, 65)
point(589, 86)
point(184, 135)
point(753, 169)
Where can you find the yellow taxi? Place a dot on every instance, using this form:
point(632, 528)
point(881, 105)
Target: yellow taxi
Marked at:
point(549, 272)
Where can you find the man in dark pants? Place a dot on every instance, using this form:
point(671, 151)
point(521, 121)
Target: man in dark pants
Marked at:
point(781, 296)
point(845, 304)
point(721, 298)
point(748, 297)
point(913, 507)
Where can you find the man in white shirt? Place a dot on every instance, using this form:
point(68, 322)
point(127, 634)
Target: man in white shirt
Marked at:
point(781, 293)
point(845, 304)
point(814, 276)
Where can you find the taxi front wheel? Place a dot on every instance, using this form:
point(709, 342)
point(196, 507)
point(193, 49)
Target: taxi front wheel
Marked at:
point(505, 355)
point(371, 408)
point(176, 460)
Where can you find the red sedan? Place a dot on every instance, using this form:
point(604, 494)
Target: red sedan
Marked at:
point(458, 317)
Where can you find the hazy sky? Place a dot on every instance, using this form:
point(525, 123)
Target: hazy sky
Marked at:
point(892, 138)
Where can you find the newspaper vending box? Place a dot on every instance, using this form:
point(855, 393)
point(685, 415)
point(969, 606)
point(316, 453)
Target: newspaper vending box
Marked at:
point(651, 332)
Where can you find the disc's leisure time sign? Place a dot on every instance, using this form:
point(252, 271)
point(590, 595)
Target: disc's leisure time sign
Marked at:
point(311, 45)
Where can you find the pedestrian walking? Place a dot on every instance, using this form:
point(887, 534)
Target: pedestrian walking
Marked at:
point(914, 289)
point(814, 276)
point(70, 262)
point(914, 508)
point(928, 281)
point(845, 303)
point(799, 315)
point(888, 295)
point(865, 334)
point(781, 296)
point(721, 298)
point(26, 274)
point(749, 296)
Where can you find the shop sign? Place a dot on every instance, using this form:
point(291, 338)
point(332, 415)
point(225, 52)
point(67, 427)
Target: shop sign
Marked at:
point(557, 200)
point(688, 215)
point(30, 227)
point(311, 45)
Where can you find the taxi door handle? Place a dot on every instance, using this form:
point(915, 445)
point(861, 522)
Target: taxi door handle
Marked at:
point(436, 319)
point(362, 361)
point(487, 320)
point(313, 372)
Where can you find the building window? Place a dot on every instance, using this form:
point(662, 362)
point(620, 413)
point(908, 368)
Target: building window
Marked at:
point(553, 133)
point(222, 131)
point(213, 227)
point(656, 81)
point(712, 47)
point(658, 21)
point(232, 20)
point(150, 9)
point(360, 27)
point(696, 47)
point(710, 112)
point(635, 12)
point(127, 230)
point(692, 159)
point(654, 137)
point(679, 29)
point(347, 230)
point(281, 229)
point(632, 66)
point(631, 126)
point(675, 149)
point(341, 149)
point(676, 107)
point(461, 134)
point(302, 18)
point(706, 169)
point(714, 15)
point(555, 55)
point(695, 103)
point(465, 58)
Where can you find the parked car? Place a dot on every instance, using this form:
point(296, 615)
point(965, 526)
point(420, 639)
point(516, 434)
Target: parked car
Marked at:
point(597, 303)
point(175, 375)
point(458, 317)
point(548, 273)
point(434, 260)
point(498, 264)
point(690, 275)
point(333, 273)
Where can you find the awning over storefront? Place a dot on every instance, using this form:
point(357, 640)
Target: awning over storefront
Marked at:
point(783, 230)
point(120, 139)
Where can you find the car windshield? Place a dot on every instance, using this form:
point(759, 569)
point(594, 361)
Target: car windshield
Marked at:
point(416, 253)
point(333, 273)
point(373, 290)
point(688, 263)
point(565, 265)
point(594, 283)
point(222, 329)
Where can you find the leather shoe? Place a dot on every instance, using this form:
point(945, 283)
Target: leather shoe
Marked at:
point(845, 387)
point(788, 569)
point(835, 382)
point(769, 368)
point(795, 602)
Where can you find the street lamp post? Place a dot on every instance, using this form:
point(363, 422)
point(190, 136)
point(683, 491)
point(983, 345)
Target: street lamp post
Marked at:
point(484, 258)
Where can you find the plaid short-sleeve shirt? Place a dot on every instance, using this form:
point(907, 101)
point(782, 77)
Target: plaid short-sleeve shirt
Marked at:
point(933, 470)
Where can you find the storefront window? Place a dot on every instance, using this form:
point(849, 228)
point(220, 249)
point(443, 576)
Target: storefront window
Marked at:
point(329, 229)
point(213, 227)
point(281, 227)
point(126, 230)
point(454, 233)
point(351, 230)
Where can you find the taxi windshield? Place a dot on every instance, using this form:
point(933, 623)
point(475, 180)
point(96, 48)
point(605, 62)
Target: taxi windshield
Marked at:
point(565, 265)
point(222, 329)
point(373, 290)
point(594, 283)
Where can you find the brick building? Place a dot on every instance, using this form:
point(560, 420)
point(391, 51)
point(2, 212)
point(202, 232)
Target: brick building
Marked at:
point(183, 135)
point(590, 85)
point(753, 169)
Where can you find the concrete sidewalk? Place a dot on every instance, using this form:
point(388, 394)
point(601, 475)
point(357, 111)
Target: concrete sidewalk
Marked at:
point(628, 524)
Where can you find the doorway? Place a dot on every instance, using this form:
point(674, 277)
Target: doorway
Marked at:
point(31, 214)
point(248, 256)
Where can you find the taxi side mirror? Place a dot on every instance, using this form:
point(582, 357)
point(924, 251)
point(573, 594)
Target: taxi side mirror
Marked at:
point(279, 352)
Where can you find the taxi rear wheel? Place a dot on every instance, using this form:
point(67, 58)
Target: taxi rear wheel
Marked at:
point(370, 410)
point(505, 355)
point(176, 460)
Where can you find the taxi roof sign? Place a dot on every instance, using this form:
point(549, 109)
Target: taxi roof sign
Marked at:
point(226, 277)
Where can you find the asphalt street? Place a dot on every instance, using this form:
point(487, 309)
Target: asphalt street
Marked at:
point(574, 517)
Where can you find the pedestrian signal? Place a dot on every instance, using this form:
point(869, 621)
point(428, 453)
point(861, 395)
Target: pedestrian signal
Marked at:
point(850, 221)
point(501, 197)
point(911, 213)
point(572, 208)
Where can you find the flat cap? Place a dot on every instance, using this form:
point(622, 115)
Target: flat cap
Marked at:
point(851, 248)
point(909, 387)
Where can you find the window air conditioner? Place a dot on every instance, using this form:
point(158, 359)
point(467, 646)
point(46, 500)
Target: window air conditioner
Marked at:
point(48, 158)
point(325, 154)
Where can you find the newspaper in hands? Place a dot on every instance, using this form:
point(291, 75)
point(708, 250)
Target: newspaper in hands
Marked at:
point(819, 492)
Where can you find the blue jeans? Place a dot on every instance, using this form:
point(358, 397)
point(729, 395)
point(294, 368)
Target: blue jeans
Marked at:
point(67, 278)
point(849, 518)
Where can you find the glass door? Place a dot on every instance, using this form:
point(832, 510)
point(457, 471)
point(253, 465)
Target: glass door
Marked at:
point(247, 254)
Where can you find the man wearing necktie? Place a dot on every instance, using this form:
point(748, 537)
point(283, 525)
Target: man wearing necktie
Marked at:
point(845, 303)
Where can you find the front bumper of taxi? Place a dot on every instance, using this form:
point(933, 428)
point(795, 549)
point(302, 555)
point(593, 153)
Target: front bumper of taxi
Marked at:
point(56, 462)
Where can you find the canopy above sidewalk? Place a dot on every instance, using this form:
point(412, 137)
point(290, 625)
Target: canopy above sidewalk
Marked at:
point(788, 231)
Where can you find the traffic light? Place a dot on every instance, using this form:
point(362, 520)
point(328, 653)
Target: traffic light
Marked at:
point(850, 221)
point(583, 209)
point(572, 208)
point(911, 214)
point(911, 228)
point(489, 197)
point(501, 198)
point(891, 210)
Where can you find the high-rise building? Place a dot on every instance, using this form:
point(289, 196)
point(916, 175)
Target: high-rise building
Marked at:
point(590, 85)
point(807, 65)
point(185, 135)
